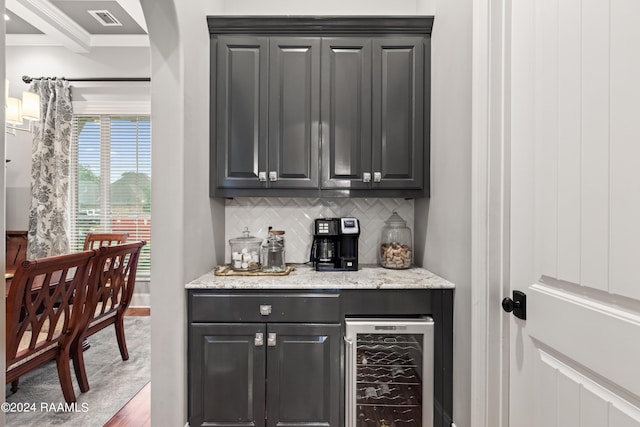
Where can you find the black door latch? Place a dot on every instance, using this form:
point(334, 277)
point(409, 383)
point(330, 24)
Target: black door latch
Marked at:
point(518, 305)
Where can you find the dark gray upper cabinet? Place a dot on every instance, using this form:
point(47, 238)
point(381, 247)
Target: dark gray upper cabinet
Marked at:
point(398, 113)
point(373, 113)
point(241, 83)
point(346, 112)
point(294, 112)
point(268, 112)
point(315, 106)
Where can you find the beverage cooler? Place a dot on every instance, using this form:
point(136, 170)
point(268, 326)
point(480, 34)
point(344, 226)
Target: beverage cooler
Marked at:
point(389, 372)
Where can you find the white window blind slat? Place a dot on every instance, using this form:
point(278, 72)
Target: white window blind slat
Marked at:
point(111, 179)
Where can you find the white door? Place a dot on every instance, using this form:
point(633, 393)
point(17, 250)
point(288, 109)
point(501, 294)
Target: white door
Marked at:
point(575, 213)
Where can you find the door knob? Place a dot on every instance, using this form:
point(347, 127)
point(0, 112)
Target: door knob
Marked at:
point(517, 305)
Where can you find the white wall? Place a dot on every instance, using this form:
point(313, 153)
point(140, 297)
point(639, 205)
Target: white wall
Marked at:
point(446, 234)
point(58, 61)
point(327, 7)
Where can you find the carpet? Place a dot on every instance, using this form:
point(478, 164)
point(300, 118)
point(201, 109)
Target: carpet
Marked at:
point(112, 382)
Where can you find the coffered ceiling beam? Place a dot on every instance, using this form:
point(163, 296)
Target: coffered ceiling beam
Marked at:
point(43, 15)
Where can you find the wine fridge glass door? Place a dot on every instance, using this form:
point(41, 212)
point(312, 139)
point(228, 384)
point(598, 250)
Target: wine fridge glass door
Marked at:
point(389, 372)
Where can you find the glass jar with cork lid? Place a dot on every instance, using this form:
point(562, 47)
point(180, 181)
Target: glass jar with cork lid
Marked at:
point(273, 252)
point(396, 244)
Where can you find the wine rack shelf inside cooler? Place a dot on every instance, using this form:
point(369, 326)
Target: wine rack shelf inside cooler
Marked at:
point(388, 380)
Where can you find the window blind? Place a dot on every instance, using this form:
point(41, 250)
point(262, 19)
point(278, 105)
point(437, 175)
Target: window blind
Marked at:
point(111, 179)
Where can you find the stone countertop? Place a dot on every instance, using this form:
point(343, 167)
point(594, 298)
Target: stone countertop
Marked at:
point(305, 277)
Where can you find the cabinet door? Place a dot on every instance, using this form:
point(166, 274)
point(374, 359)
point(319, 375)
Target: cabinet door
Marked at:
point(294, 112)
point(346, 112)
point(242, 99)
point(303, 371)
point(226, 375)
point(398, 106)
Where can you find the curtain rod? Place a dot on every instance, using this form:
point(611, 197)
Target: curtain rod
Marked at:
point(28, 79)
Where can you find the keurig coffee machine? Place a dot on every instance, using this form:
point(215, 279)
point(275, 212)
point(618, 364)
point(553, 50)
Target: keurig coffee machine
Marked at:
point(335, 244)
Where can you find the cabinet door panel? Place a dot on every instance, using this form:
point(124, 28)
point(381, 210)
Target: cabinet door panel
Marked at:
point(294, 111)
point(227, 374)
point(303, 371)
point(398, 97)
point(242, 100)
point(346, 112)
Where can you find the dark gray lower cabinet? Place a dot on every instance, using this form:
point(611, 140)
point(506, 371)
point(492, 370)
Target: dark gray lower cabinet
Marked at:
point(303, 375)
point(264, 374)
point(276, 357)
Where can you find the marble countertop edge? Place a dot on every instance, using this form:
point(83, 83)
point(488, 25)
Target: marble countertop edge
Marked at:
point(305, 277)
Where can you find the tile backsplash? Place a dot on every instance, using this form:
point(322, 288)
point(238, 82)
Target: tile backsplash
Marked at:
point(295, 216)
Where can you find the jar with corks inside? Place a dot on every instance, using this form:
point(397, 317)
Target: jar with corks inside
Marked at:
point(396, 244)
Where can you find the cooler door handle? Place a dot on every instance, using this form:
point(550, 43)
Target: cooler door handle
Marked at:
point(350, 389)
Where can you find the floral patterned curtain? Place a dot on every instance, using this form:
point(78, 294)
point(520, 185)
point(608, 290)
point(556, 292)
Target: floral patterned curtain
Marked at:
point(48, 216)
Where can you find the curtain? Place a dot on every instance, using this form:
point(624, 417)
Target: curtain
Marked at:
point(48, 215)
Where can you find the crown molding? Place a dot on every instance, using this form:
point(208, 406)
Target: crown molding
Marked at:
point(321, 25)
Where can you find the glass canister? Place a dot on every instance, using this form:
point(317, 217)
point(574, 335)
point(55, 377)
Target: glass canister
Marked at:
point(273, 252)
point(396, 244)
point(245, 252)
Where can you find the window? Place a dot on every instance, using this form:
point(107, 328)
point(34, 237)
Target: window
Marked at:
point(111, 179)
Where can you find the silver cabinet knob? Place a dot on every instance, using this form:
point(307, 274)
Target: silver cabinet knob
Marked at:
point(271, 339)
point(258, 341)
point(262, 176)
point(265, 309)
point(273, 176)
point(366, 177)
point(377, 176)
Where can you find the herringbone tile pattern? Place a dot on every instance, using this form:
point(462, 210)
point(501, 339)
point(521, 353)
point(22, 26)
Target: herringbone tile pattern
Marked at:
point(295, 216)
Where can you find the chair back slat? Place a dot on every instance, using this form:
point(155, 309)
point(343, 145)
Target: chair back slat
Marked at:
point(96, 240)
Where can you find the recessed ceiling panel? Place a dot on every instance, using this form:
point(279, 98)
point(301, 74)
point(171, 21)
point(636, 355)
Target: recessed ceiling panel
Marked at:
point(17, 25)
point(79, 12)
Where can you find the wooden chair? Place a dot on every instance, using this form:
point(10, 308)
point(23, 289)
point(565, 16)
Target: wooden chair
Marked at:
point(109, 291)
point(44, 315)
point(16, 246)
point(96, 240)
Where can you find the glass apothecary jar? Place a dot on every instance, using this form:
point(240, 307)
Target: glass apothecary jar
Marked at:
point(245, 252)
point(396, 244)
point(273, 252)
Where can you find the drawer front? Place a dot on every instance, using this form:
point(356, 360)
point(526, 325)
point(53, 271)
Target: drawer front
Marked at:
point(297, 307)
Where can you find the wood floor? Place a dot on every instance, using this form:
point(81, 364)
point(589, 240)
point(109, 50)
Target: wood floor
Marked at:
point(137, 412)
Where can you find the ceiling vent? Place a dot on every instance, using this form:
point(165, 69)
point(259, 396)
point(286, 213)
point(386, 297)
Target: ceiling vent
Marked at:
point(105, 18)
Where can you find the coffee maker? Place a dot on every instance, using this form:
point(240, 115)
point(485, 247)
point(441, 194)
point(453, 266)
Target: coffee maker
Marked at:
point(335, 244)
